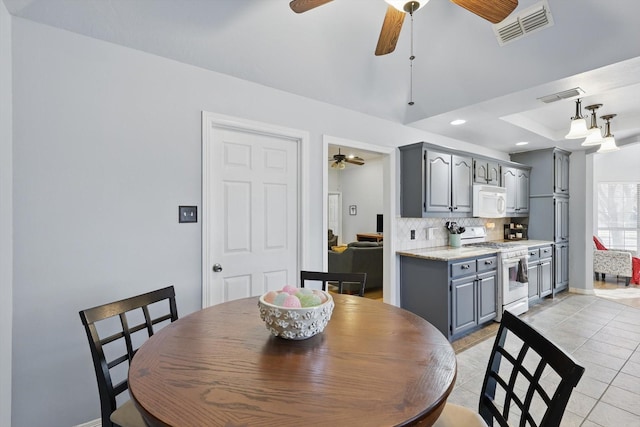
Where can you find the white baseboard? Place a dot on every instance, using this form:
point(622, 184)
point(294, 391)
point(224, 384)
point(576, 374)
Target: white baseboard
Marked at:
point(581, 291)
point(93, 423)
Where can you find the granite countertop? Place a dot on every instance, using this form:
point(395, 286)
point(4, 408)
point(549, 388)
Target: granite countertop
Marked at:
point(447, 253)
point(532, 243)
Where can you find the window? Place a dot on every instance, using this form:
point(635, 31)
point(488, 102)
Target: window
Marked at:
point(617, 223)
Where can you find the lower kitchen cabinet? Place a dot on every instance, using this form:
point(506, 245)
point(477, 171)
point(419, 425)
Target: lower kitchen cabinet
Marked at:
point(473, 301)
point(455, 296)
point(540, 272)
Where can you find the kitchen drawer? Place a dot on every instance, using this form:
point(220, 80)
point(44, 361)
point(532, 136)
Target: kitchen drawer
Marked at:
point(486, 264)
point(546, 252)
point(463, 268)
point(534, 254)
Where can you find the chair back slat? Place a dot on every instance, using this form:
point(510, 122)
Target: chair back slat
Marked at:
point(112, 353)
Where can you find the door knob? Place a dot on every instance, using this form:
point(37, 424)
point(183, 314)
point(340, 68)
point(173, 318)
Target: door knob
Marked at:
point(217, 268)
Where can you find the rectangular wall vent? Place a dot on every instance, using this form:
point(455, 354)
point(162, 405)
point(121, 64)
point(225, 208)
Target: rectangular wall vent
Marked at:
point(565, 94)
point(526, 22)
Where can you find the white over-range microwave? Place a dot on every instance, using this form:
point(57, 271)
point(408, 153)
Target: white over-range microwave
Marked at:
point(489, 201)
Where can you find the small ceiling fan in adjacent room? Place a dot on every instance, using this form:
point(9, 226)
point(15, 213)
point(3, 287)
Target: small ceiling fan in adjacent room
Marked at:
point(493, 11)
point(339, 160)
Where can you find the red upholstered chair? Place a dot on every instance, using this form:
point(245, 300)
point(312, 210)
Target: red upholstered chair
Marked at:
point(619, 263)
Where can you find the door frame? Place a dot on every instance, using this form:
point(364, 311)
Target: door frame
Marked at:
point(391, 294)
point(301, 138)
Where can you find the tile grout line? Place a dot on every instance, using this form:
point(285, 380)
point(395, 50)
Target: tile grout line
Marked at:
point(586, 418)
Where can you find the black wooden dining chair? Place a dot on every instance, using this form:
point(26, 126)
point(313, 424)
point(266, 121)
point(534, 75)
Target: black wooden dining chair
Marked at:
point(342, 280)
point(115, 332)
point(528, 381)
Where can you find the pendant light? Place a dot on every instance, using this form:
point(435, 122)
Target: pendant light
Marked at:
point(578, 124)
point(609, 142)
point(595, 134)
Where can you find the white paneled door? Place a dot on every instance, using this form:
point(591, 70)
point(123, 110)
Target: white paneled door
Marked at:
point(251, 213)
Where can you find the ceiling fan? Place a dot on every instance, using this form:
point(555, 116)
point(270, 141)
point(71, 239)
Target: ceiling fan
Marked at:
point(493, 11)
point(340, 159)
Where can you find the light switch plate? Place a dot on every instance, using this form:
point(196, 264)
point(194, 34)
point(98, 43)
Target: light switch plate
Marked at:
point(188, 214)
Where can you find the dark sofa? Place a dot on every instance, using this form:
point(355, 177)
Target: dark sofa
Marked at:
point(360, 257)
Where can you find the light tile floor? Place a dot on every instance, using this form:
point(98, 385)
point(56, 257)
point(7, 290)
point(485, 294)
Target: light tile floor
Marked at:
point(603, 335)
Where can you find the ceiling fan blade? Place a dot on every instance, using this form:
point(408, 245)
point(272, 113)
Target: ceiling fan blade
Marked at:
point(390, 31)
point(356, 161)
point(493, 11)
point(300, 6)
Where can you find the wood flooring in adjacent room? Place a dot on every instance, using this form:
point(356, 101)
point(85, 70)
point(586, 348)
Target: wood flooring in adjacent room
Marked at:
point(615, 290)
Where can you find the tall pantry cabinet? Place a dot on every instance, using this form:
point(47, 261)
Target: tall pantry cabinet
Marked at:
point(549, 205)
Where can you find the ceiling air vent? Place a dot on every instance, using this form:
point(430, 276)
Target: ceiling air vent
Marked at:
point(565, 94)
point(526, 22)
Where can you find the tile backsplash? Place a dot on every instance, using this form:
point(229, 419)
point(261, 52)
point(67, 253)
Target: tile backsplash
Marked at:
point(441, 235)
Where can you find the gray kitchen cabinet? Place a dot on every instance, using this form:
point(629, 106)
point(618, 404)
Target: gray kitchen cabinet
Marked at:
point(487, 296)
point(434, 182)
point(464, 313)
point(561, 266)
point(486, 172)
point(455, 296)
point(561, 172)
point(516, 181)
point(561, 206)
point(540, 272)
point(549, 205)
point(549, 170)
point(532, 273)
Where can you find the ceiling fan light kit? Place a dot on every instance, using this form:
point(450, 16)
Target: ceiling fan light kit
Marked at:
point(578, 124)
point(407, 6)
point(340, 160)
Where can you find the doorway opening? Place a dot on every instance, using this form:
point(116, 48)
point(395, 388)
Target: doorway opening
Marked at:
point(358, 197)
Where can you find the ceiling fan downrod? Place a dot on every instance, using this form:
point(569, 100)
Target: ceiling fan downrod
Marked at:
point(410, 7)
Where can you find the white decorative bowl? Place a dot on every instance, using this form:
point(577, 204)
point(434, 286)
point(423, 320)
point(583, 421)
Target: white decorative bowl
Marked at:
point(296, 323)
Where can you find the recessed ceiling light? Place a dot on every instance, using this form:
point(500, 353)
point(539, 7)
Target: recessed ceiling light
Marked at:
point(522, 143)
point(458, 122)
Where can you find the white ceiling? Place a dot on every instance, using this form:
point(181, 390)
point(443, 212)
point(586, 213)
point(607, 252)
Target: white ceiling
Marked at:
point(460, 71)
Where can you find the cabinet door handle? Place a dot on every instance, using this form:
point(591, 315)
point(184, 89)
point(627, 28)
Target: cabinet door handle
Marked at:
point(488, 262)
point(532, 253)
point(465, 267)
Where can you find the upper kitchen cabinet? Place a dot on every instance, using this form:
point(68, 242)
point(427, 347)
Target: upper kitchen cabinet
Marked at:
point(486, 172)
point(549, 205)
point(516, 181)
point(561, 172)
point(434, 182)
point(549, 169)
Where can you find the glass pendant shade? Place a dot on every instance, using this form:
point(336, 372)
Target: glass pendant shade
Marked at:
point(578, 129)
point(608, 145)
point(405, 6)
point(578, 125)
point(594, 138)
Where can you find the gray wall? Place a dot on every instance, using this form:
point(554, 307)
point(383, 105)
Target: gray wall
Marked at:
point(580, 223)
point(360, 186)
point(106, 145)
point(6, 239)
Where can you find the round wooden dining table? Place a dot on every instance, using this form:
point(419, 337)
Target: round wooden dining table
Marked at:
point(374, 365)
